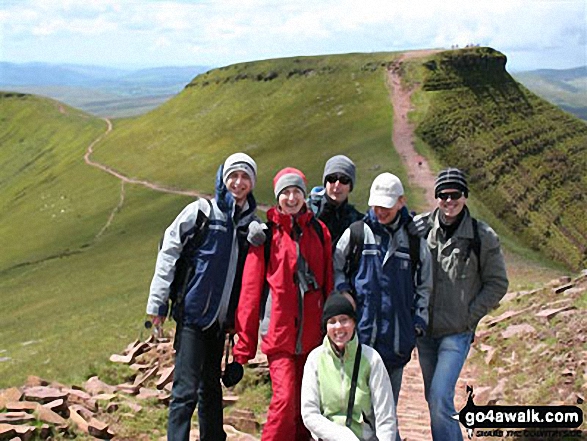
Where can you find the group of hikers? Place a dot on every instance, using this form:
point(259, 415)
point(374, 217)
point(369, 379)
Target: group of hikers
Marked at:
point(339, 298)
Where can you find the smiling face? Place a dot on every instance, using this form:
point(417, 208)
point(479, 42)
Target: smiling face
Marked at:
point(387, 215)
point(239, 185)
point(340, 329)
point(291, 200)
point(451, 202)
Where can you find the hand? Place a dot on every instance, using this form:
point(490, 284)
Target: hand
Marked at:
point(418, 227)
point(157, 320)
point(256, 236)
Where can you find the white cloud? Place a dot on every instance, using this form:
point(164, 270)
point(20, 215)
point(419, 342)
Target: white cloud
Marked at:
point(221, 32)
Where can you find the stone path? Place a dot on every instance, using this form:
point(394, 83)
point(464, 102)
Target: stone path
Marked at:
point(412, 412)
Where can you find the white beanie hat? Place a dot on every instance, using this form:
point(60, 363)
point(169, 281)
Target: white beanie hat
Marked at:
point(240, 161)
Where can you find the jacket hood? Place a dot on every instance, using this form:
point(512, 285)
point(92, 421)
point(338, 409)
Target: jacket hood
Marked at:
point(225, 200)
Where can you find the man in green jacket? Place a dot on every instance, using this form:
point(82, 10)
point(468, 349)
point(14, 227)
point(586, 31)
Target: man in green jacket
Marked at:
point(470, 279)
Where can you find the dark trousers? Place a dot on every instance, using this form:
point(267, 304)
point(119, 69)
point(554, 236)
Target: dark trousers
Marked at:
point(196, 380)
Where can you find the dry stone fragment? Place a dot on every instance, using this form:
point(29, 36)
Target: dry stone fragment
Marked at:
point(16, 417)
point(142, 379)
point(550, 313)
point(128, 388)
point(513, 330)
point(165, 378)
point(82, 398)
point(562, 288)
point(95, 386)
point(33, 380)
point(12, 394)
point(43, 394)
point(146, 393)
point(6, 431)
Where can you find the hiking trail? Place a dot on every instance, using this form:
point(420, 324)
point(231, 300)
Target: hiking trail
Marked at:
point(412, 411)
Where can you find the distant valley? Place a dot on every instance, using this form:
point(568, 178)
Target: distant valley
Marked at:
point(101, 91)
point(117, 93)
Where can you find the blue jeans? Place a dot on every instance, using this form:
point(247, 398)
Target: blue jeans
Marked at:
point(395, 376)
point(441, 361)
point(196, 379)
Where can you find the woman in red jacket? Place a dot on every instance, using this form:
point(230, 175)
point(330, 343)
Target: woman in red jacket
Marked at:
point(289, 290)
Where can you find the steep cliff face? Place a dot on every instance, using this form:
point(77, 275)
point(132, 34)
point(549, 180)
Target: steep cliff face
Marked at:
point(526, 158)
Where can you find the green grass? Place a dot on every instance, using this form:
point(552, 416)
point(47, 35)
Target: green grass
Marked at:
point(72, 297)
point(525, 158)
point(342, 107)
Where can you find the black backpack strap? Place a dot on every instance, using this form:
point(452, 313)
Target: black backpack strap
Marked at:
point(318, 228)
point(266, 254)
point(349, 412)
point(414, 244)
point(356, 245)
point(476, 245)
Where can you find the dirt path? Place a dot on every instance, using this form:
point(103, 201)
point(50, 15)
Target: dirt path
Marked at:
point(419, 173)
point(128, 180)
point(414, 420)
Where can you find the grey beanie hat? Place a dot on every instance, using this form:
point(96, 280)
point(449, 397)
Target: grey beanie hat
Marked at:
point(289, 177)
point(240, 161)
point(340, 164)
point(451, 178)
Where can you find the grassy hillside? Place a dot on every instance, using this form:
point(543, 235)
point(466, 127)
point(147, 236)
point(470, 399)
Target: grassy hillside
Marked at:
point(566, 88)
point(289, 112)
point(525, 157)
point(75, 290)
point(70, 291)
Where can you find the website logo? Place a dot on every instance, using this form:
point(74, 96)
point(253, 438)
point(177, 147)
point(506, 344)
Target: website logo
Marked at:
point(504, 420)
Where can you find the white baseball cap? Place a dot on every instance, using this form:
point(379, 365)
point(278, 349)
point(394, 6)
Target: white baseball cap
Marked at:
point(385, 191)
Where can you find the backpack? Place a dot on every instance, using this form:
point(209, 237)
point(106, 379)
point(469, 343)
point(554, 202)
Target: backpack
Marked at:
point(267, 252)
point(475, 244)
point(184, 267)
point(356, 244)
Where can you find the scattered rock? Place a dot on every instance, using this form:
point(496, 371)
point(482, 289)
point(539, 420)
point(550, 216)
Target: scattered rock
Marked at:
point(514, 330)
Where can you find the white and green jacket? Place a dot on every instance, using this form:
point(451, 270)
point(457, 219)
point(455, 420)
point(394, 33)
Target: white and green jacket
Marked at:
point(325, 395)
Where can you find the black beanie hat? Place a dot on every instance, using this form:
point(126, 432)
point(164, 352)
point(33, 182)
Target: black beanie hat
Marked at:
point(451, 178)
point(337, 304)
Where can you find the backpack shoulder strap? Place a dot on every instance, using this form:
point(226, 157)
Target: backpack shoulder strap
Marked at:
point(414, 246)
point(476, 244)
point(356, 244)
point(266, 255)
point(318, 228)
point(349, 412)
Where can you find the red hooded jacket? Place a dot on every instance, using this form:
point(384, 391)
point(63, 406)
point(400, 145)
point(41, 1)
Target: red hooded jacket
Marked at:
point(286, 327)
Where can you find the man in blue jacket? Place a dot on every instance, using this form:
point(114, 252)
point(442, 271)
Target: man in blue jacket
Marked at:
point(209, 290)
point(393, 281)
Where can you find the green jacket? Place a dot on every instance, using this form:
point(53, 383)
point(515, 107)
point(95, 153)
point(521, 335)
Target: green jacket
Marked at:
point(325, 395)
point(464, 290)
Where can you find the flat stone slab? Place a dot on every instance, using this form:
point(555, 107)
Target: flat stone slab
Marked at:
point(43, 394)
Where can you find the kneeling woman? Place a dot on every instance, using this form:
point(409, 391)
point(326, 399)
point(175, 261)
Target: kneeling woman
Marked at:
point(346, 392)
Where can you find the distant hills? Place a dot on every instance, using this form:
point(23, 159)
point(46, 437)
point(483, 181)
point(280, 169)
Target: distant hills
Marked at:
point(102, 91)
point(566, 88)
point(80, 245)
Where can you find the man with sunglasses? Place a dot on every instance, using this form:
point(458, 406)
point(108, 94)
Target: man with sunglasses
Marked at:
point(469, 280)
point(330, 203)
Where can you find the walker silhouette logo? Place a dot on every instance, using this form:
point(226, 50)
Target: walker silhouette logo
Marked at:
point(474, 417)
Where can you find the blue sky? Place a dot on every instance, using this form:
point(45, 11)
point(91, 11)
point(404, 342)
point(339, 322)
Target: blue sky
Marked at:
point(137, 33)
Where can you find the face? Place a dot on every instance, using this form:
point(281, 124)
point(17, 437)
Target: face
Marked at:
point(239, 185)
point(291, 200)
point(340, 329)
point(387, 215)
point(338, 187)
point(451, 202)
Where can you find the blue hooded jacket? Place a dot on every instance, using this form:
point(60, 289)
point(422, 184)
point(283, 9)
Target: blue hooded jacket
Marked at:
point(212, 292)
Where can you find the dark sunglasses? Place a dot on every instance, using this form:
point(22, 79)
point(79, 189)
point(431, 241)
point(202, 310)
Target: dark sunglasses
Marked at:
point(344, 180)
point(453, 195)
